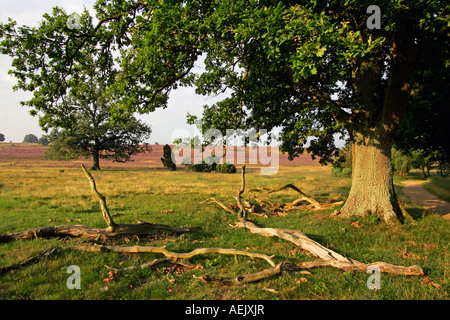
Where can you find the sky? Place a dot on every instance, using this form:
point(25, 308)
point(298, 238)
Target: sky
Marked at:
point(15, 120)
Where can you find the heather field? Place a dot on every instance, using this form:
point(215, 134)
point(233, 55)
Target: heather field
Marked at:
point(36, 193)
point(33, 155)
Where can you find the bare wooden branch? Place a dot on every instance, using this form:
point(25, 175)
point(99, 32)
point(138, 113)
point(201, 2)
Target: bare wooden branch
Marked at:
point(241, 213)
point(33, 259)
point(80, 231)
point(298, 238)
point(156, 262)
point(101, 199)
point(315, 204)
point(252, 277)
point(414, 270)
point(174, 255)
point(327, 257)
point(221, 204)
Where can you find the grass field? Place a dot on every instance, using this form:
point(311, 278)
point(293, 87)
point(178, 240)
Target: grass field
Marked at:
point(440, 187)
point(33, 195)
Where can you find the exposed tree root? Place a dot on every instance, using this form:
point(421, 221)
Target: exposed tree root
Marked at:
point(113, 230)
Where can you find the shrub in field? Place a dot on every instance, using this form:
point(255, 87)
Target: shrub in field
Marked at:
point(341, 172)
point(167, 158)
point(196, 167)
point(210, 164)
point(342, 164)
point(226, 168)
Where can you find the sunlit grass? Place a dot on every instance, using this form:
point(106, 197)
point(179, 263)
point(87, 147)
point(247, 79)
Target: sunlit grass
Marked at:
point(31, 197)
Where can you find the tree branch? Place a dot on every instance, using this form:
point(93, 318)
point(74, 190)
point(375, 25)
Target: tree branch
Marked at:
point(170, 254)
point(101, 199)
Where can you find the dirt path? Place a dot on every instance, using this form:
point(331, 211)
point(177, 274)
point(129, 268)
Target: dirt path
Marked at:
point(415, 191)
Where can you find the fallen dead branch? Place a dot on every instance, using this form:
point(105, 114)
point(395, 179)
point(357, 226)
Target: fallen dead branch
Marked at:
point(346, 266)
point(327, 257)
point(26, 262)
point(173, 255)
point(253, 277)
point(303, 197)
point(156, 262)
point(181, 259)
point(141, 228)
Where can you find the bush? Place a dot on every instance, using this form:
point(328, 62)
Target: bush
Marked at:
point(198, 167)
point(207, 165)
point(342, 164)
point(226, 168)
point(167, 158)
point(341, 172)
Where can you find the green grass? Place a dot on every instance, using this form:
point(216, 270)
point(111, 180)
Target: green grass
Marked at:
point(440, 187)
point(32, 197)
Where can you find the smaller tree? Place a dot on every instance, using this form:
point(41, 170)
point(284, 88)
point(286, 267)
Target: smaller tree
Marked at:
point(342, 163)
point(2, 137)
point(167, 158)
point(44, 140)
point(105, 139)
point(30, 138)
point(401, 162)
point(422, 160)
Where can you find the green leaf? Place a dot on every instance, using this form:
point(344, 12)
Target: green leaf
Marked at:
point(321, 51)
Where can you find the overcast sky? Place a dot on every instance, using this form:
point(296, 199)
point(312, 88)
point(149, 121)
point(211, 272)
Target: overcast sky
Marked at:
point(15, 120)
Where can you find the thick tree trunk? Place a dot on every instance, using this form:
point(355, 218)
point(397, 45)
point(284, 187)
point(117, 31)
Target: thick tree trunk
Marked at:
point(373, 129)
point(372, 190)
point(95, 161)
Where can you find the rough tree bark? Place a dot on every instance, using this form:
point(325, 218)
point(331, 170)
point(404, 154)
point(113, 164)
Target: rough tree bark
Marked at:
point(372, 190)
point(372, 128)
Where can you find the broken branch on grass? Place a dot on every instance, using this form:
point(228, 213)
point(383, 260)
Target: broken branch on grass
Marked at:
point(384, 267)
point(313, 203)
point(101, 199)
point(33, 259)
point(113, 230)
point(327, 257)
point(156, 262)
point(173, 255)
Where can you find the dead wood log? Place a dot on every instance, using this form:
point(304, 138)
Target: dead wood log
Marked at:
point(113, 230)
point(33, 259)
point(384, 267)
point(327, 257)
point(81, 231)
point(313, 203)
point(173, 255)
point(101, 199)
point(298, 238)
